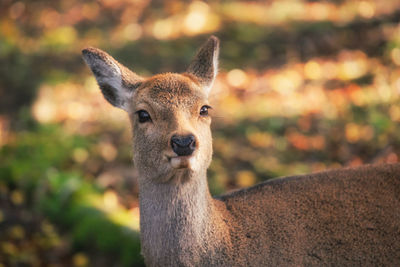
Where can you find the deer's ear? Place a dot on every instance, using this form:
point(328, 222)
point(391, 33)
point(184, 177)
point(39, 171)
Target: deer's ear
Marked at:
point(205, 64)
point(117, 83)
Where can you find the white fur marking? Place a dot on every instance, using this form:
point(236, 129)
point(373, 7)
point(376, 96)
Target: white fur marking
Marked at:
point(215, 71)
point(176, 162)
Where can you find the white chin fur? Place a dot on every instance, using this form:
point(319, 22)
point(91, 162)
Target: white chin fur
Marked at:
point(183, 162)
point(176, 162)
point(192, 162)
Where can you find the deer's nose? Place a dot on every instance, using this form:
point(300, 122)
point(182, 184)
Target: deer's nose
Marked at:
point(183, 145)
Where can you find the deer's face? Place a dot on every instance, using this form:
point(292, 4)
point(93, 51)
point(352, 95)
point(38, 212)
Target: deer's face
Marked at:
point(169, 112)
point(171, 126)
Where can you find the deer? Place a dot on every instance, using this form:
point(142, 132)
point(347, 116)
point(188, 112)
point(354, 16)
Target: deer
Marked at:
point(341, 217)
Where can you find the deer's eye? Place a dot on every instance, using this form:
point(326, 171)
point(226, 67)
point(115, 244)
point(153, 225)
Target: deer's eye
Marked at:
point(143, 116)
point(204, 110)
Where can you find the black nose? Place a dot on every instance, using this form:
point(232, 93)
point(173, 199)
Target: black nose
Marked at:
point(183, 145)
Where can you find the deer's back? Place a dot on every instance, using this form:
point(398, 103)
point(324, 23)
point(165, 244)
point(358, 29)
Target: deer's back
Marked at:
point(343, 217)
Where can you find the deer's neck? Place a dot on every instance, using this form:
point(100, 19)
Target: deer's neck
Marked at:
point(179, 222)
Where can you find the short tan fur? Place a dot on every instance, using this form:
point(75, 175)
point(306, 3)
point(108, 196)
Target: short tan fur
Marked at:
point(344, 217)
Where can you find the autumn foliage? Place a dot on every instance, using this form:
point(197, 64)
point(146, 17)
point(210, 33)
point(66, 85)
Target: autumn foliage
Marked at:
point(303, 86)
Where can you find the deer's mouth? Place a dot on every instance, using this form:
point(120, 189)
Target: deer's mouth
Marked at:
point(181, 162)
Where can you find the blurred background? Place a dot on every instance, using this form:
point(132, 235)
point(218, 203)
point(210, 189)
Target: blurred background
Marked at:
point(303, 86)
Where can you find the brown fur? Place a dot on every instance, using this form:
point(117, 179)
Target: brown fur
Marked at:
point(343, 217)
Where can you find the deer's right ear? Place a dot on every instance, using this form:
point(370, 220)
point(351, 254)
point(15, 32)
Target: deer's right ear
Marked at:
point(117, 83)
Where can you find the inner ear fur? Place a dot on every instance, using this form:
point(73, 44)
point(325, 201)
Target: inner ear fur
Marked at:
point(117, 82)
point(204, 66)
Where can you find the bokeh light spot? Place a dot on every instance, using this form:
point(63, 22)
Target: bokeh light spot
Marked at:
point(163, 29)
point(110, 200)
point(395, 55)
point(17, 9)
point(366, 9)
point(312, 70)
point(107, 151)
point(80, 155)
point(245, 178)
point(17, 197)
point(132, 31)
point(237, 78)
point(80, 260)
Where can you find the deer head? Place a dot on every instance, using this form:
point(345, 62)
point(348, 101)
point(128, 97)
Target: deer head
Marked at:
point(168, 113)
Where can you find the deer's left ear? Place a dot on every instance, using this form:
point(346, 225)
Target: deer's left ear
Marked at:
point(205, 64)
